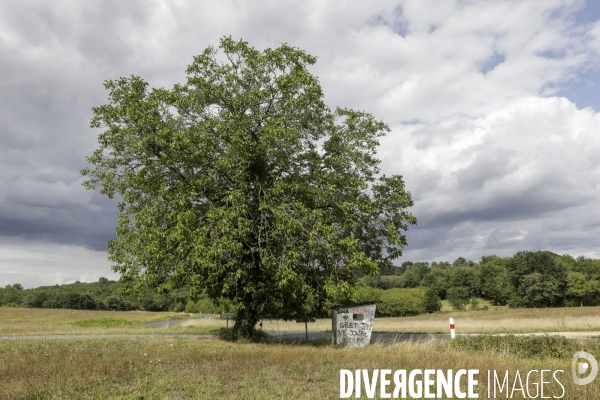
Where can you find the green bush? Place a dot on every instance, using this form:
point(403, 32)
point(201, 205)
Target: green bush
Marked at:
point(401, 302)
point(191, 307)
point(394, 302)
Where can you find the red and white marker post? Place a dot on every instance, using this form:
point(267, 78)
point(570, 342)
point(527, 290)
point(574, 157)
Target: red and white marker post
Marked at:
point(452, 331)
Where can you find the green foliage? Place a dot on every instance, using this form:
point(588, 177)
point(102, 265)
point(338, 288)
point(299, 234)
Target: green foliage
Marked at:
point(401, 302)
point(371, 281)
point(537, 278)
point(101, 295)
point(431, 301)
point(462, 277)
point(583, 281)
point(493, 280)
point(489, 279)
point(11, 294)
point(462, 262)
point(366, 294)
point(391, 282)
point(395, 302)
point(243, 184)
point(458, 298)
point(191, 307)
point(582, 290)
point(438, 280)
point(382, 282)
point(78, 301)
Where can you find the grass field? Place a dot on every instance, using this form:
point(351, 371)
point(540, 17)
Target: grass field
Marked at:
point(170, 368)
point(498, 320)
point(35, 321)
point(31, 321)
point(211, 369)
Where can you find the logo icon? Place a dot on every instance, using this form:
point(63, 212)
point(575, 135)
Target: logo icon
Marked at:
point(580, 368)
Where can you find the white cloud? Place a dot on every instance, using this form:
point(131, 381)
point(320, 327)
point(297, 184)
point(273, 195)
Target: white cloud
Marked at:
point(505, 177)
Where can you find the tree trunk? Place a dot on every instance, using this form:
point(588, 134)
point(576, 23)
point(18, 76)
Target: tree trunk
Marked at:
point(245, 321)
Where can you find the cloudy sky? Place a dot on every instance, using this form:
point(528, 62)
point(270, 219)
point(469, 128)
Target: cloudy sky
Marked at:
point(493, 107)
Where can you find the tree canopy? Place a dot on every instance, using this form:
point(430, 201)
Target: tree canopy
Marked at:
point(243, 184)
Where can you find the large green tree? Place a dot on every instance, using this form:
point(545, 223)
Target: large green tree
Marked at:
point(243, 184)
point(538, 279)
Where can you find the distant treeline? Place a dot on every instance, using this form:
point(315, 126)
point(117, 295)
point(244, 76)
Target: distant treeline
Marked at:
point(103, 295)
point(527, 279)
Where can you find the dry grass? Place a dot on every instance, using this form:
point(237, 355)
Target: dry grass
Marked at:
point(151, 368)
point(35, 321)
point(320, 325)
point(193, 369)
point(28, 321)
point(498, 320)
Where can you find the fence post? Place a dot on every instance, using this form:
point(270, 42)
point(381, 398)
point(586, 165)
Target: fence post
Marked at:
point(306, 329)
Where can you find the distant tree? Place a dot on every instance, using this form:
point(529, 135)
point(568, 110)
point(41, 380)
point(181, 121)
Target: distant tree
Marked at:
point(394, 270)
point(438, 279)
point(538, 280)
point(155, 303)
point(440, 264)
point(410, 279)
point(536, 291)
point(431, 301)
point(493, 280)
point(458, 298)
point(587, 266)
point(32, 300)
point(78, 301)
point(581, 290)
point(462, 277)
point(114, 303)
point(12, 294)
point(371, 281)
point(390, 282)
point(461, 262)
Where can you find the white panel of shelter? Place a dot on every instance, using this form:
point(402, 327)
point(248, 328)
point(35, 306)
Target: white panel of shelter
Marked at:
point(354, 324)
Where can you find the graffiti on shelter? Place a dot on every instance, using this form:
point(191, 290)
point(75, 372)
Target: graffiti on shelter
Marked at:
point(352, 325)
